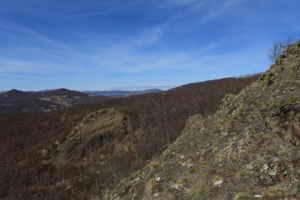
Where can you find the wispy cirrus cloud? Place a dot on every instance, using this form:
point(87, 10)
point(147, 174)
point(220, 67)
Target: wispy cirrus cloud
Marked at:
point(24, 32)
point(47, 55)
point(114, 42)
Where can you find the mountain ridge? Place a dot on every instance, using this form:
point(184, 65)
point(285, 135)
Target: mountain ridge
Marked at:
point(16, 101)
point(92, 159)
point(247, 150)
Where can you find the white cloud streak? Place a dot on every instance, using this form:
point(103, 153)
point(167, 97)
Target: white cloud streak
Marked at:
point(220, 9)
point(125, 56)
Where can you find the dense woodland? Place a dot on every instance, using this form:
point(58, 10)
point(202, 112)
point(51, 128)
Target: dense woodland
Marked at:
point(156, 121)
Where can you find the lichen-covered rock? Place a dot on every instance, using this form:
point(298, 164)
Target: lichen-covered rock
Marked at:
point(249, 149)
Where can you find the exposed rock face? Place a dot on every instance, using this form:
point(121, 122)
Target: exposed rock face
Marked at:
point(92, 133)
point(249, 149)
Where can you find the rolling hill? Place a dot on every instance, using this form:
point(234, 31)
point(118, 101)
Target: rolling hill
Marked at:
point(14, 101)
point(91, 147)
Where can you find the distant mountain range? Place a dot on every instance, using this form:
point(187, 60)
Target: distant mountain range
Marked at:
point(121, 93)
point(43, 101)
point(232, 138)
point(13, 101)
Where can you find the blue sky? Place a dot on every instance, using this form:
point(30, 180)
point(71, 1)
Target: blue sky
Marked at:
point(136, 44)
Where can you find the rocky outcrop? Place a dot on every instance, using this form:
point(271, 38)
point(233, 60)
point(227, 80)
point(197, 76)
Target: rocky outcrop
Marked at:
point(94, 131)
point(249, 149)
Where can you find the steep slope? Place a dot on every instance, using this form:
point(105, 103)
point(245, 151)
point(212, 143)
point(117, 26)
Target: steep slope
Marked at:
point(92, 133)
point(249, 149)
point(41, 159)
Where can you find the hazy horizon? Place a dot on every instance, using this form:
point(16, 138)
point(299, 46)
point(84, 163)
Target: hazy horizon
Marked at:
point(99, 89)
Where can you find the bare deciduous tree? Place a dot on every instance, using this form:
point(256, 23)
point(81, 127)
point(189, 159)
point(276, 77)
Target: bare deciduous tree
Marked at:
point(275, 51)
point(278, 48)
